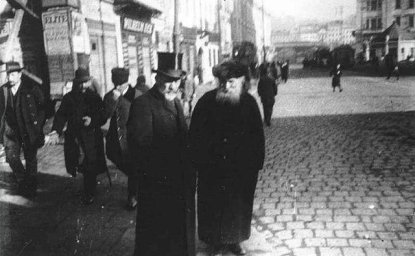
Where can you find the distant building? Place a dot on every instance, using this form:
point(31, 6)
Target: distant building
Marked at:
point(242, 22)
point(386, 27)
point(338, 33)
point(263, 30)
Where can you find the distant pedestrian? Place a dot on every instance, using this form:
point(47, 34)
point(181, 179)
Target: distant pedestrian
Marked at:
point(273, 71)
point(267, 89)
point(391, 66)
point(82, 111)
point(336, 72)
point(188, 91)
point(227, 147)
point(285, 66)
point(117, 104)
point(22, 111)
point(157, 137)
point(141, 85)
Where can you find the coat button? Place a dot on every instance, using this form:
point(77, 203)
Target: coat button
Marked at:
point(224, 157)
point(225, 140)
point(35, 122)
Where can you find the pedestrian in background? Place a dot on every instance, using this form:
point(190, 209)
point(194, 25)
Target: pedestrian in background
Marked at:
point(391, 66)
point(188, 91)
point(336, 72)
point(141, 85)
point(22, 111)
point(82, 110)
point(117, 104)
point(267, 90)
point(157, 137)
point(285, 66)
point(227, 147)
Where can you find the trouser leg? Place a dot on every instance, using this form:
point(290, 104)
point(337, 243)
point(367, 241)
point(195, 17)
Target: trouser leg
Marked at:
point(12, 149)
point(132, 183)
point(90, 182)
point(30, 155)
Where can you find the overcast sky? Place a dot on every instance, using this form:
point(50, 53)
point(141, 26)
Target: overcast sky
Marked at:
point(310, 9)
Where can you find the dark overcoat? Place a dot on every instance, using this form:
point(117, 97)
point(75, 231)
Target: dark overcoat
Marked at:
point(116, 138)
point(267, 89)
point(79, 139)
point(157, 137)
point(336, 73)
point(30, 112)
point(227, 146)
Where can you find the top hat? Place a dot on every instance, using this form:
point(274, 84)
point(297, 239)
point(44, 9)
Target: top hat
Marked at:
point(12, 66)
point(169, 65)
point(119, 76)
point(82, 75)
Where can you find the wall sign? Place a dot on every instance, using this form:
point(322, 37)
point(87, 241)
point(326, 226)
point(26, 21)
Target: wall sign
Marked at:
point(138, 26)
point(56, 32)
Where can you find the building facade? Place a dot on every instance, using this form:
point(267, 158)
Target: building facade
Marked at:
point(262, 21)
point(374, 17)
point(242, 22)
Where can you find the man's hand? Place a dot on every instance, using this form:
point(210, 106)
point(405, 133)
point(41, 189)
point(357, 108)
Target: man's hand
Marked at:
point(87, 121)
point(52, 139)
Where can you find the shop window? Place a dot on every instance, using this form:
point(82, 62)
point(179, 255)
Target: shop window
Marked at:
point(379, 23)
point(411, 21)
point(397, 4)
point(411, 4)
point(373, 24)
point(403, 51)
point(94, 46)
point(367, 23)
point(398, 20)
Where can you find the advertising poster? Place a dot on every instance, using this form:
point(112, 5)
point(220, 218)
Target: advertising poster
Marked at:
point(56, 32)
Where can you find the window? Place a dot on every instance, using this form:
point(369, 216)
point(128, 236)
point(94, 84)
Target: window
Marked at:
point(367, 23)
point(397, 4)
point(411, 21)
point(379, 4)
point(373, 24)
point(379, 23)
point(398, 20)
point(411, 4)
point(403, 51)
point(373, 5)
point(412, 51)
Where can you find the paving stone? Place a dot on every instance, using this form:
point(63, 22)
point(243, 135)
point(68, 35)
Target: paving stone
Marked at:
point(305, 252)
point(350, 251)
point(360, 243)
point(377, 243)
point(330, 251)
point(336, 242)
point(321, 233)
point(375, 252)
point(294, 243)
point(315, 225)
point(355, 226)
point(404, 244)
point(303, 233)
point(344, 233)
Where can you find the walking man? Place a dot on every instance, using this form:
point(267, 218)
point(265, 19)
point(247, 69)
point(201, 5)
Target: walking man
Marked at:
point(82, 110)
point(22, 111)
point(117, 104)
point(157, 133)
point(336, 72)
point(227, 146)
point(267, 89)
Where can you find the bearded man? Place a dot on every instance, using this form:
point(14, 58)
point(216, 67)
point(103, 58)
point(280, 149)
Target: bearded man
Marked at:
point(157, 139)
point(227, 146)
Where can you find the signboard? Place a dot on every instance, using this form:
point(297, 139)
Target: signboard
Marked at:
point(80, 37)
point(56, 32)
point(138, 26)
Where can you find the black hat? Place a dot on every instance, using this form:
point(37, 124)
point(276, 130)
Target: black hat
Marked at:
point(169, 65)
point(119, 76)
point(230, 69)
point(12, 66)
point(82, 75)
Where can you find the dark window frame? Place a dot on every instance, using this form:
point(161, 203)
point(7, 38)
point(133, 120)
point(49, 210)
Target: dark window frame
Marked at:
point(397, 4)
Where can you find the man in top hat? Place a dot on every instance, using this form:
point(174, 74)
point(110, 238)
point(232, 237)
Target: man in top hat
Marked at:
point(117, 104)
point(156, 133)
point(22, 111)
point(227, 147)
point(82, 111)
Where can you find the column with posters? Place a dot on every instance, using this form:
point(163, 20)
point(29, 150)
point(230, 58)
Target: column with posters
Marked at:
point(136, 35)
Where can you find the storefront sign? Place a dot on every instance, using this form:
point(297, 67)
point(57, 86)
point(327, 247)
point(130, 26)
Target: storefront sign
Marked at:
point(56, 32)
point(138, 26)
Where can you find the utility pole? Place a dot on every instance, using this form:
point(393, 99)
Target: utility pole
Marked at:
point(176, 46)
point(263, 32)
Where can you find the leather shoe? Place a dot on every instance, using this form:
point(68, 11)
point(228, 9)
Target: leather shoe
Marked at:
point(236, 249)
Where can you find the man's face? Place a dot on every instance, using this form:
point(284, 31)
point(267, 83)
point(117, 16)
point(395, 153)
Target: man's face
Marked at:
point(14, 77)
point(169, 88)
point(231, 91)
point(86, 85)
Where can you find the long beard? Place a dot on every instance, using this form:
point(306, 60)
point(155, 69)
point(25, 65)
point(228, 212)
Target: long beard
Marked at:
point(170, 95)
point(229, 96)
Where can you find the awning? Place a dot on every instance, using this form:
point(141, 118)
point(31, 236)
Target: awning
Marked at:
point(148, 4)
point(18, 4)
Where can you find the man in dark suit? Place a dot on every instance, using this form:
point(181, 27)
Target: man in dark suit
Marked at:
point(157, 133)
point(117, 104)
point(227, 147)
point(267, 89)
point(22, 111)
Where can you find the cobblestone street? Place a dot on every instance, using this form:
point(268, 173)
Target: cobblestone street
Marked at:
point(339, 179)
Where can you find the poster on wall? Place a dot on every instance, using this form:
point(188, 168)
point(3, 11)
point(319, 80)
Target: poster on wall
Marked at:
point(56, 32)
point(80, 36)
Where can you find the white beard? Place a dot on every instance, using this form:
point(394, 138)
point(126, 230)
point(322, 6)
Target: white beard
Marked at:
point(226, 96)
point(170, 96)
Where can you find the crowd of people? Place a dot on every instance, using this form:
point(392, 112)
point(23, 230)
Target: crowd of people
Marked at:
point(168, 158)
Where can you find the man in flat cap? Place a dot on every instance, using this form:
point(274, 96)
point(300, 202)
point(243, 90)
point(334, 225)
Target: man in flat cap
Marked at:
point(117, 104)
point(157, 137)
point(82, 112)
point(22, 111)
point(227, 147)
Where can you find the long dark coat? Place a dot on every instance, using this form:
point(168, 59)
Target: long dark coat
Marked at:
point(116, 138)
point(267, 89)
point(227, 146)
point(30, 112)
point(157, 140)
point(336, 73)
point(89, 139)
